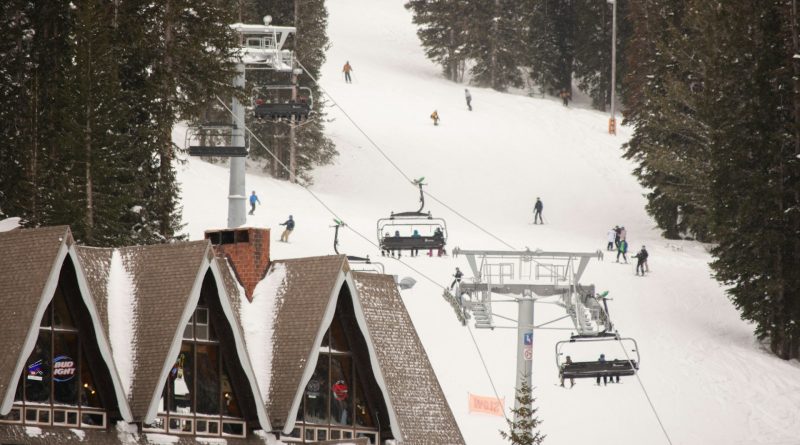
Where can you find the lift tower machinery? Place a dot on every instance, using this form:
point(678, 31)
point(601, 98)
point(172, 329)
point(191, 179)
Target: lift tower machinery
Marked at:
point(530, 275)
point(261, 47)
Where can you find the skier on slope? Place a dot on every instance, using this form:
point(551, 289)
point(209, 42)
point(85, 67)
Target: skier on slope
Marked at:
point(468, 96)
point(457, 276)
point(289, 223)
point(346, 70)
point(435, 117)
point(253, 200)
point(612, 238)
point(537, 211)
point(641, 260)
point(622, 249)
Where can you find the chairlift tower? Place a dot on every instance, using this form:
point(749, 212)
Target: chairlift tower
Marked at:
point(528, 276)
point(261, 47)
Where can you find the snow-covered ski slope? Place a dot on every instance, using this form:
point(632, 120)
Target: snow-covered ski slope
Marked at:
point(709, 380)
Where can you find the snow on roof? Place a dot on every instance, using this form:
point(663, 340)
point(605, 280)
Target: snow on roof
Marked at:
point(121, 307)
point(9, 224)
point(258, 322)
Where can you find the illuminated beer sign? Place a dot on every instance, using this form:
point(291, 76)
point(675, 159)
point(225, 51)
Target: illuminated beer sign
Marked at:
point(63, 368)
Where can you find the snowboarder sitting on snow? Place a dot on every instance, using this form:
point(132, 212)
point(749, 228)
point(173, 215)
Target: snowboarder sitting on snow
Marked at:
point(622, 249)
point(641, 260)
point(561, 373)
point(469, 99)
point(289, 227)
point(537, 211)
point(253, 200)
point(435, 117)
point(457, 276)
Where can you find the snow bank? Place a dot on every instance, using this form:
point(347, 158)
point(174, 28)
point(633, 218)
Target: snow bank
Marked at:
point(121, 308)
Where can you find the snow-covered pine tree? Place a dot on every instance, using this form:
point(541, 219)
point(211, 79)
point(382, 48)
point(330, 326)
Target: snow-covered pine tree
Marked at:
point(444, 33)
point(495, 41)
point(523, 431)
point(551, 44)
point(593, 24)
point(652, 79)
point(755, 165)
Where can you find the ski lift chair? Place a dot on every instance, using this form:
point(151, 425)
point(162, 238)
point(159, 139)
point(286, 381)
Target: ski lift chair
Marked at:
point(618, 366)
point(273, 108)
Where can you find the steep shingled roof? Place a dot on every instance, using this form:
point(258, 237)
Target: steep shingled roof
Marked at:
point(416, 396)
point(298, 307)
point(27, 259)
point(163, 277)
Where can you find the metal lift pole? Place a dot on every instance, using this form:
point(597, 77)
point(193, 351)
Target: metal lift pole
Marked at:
point(237, 195)
point(524, 349)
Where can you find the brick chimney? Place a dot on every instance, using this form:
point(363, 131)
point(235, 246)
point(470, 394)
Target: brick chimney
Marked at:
point(247, 250)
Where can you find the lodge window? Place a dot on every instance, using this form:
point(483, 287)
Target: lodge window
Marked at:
point(334, 405)
point(56, 386)
point(198, 397)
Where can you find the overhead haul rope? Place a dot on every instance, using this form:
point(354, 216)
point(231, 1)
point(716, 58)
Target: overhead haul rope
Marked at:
point(639, 379)
point(402, 173)
point(396, 167)
point(365, 238)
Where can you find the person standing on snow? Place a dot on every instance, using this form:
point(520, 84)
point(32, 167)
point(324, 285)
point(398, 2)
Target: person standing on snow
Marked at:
point(435, 117)
point(469, 99)
point(346, 70)
point(457, 276)
point(565, 97)
point(641, 260)
point(253, 200)
point(537, 211)
point(612, 239)
point(622, 249)
point(289, 227)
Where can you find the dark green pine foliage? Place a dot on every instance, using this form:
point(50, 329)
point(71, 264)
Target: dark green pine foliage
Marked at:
point(34, 112)
point(756, 176)
point(523, 431)
point(444, 33)
point(495, 42)
point(185, 64)
point(655, 99)
point(551, 44)
point(593, 20)
point(312, 147)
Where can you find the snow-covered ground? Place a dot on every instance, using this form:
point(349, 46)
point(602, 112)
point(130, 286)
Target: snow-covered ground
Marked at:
point(709, 380)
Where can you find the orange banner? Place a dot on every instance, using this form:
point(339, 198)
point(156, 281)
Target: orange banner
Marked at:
point(486, 405)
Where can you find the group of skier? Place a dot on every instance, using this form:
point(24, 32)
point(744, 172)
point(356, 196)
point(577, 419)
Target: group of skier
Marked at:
point(617, 240)
point(289, 223)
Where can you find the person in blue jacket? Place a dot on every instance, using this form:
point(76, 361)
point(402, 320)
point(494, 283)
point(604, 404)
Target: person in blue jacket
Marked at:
point(253, 200)
point(415, 252)
point(289, 227)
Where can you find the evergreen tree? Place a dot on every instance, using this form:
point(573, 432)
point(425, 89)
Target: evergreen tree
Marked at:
point(311, 146)
point(496, 43)
point(756, 176)
point(551, 44)
point(523, 431)
point(444, 33)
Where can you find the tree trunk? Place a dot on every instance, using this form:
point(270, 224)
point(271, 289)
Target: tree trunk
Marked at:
point(495, 38)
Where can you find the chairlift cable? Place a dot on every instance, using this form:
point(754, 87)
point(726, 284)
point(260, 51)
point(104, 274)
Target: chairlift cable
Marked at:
point(641, 384)
point(335, 215)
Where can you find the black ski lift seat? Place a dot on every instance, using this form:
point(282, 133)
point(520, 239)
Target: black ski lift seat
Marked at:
point(579, 370)
point(407, 222)
point(274, 110)
point(412, 242)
